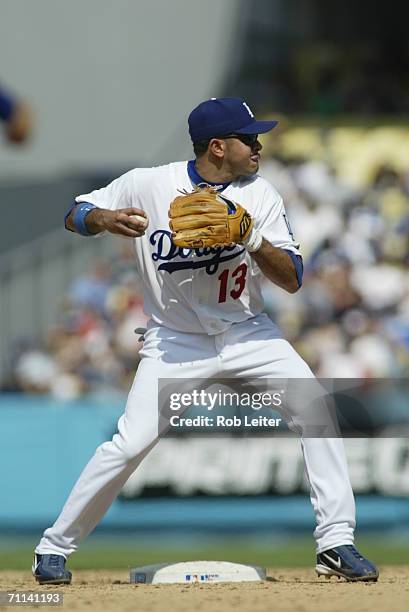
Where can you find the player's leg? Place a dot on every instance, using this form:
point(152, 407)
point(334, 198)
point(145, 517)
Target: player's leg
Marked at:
point(109, 468)
point(114, 461)
point(266, 355)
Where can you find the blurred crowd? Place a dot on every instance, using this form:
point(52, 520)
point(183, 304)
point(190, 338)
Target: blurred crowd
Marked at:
point(351, 318)
point(92, 347)
point(364, 79)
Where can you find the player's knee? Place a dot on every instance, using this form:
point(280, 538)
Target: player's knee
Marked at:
point(130, 448)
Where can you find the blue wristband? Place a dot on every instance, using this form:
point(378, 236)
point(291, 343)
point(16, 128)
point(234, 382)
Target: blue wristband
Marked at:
point(79, 221)
point(67, 214)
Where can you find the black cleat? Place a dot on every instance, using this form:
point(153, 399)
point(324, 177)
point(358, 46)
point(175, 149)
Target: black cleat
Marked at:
point(50, 569)
point(346, 562)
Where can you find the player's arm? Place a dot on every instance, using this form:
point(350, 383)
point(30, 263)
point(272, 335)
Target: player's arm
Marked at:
point(273, 246)
point(86, 219)
point(17, 116)
point(279, 265)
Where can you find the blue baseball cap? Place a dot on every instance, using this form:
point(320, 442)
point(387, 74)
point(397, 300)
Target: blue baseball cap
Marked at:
point(222, 116)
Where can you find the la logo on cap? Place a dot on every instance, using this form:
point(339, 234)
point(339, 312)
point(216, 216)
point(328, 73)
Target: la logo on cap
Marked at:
point(248, 109)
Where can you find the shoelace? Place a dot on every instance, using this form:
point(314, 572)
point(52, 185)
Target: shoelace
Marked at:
point(55, 560)
point(354, 551)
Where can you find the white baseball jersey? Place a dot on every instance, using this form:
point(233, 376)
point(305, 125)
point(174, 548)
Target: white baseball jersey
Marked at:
point(195, 290)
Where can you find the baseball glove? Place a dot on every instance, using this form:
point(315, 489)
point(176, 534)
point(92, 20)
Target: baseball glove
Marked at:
point(205, 218)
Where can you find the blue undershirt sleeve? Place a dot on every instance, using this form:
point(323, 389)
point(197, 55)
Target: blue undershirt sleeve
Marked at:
point(7, 105)
point(298, 264)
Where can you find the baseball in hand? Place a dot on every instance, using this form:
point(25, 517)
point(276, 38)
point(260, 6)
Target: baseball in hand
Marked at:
point(143, 220)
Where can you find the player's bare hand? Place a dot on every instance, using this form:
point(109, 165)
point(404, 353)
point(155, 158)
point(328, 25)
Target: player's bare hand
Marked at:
point(20, 125)
point(130, 222)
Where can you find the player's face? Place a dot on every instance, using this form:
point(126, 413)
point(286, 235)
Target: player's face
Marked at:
point(243, 154)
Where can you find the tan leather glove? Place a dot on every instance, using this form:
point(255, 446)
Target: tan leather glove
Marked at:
point(205, 218)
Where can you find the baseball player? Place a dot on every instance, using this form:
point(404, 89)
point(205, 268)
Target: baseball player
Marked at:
point(17, 118)
point(200, 263)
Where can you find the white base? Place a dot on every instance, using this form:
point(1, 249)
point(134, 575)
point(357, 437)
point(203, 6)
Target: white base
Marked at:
point(189, 572)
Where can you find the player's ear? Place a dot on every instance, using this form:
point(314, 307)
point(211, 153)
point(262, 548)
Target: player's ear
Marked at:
point(217, 147)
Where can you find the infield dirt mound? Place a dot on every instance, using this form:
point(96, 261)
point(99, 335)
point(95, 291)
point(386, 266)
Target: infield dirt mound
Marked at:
point(287, 589)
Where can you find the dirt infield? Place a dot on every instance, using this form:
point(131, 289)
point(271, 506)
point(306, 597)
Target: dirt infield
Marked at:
point(286, 589)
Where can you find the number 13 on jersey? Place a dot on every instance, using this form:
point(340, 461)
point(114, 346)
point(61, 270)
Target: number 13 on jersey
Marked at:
point(232, 284)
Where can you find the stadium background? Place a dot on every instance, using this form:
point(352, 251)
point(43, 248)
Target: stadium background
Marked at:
point(111, 90)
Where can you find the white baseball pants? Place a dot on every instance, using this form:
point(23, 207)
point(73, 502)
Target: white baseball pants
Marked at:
point(252, 348)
